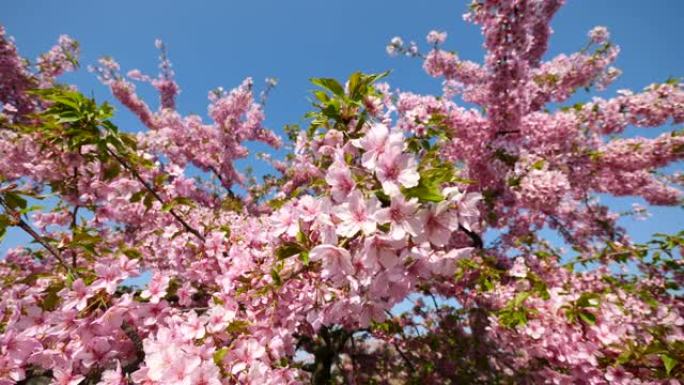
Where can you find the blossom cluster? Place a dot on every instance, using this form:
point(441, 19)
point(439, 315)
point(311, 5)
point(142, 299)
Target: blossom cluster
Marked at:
point(387, 200)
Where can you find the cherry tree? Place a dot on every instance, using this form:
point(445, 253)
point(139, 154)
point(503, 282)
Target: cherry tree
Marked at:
point(386, 199)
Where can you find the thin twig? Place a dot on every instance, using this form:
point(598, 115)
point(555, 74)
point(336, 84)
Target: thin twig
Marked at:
point(37, 237)
point(74, 220)
point(223, 182)
point(151, 190)
point(477, 240)
point(434, 300)
point(404, 357)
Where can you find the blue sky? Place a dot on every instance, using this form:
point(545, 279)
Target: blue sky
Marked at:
point(219, 43)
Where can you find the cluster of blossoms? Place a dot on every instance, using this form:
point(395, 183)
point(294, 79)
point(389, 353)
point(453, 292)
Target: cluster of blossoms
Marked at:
point(397, 46)
point(387, 199)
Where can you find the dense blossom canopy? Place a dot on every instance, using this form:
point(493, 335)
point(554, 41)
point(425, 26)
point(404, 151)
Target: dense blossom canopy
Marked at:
point(384, 200)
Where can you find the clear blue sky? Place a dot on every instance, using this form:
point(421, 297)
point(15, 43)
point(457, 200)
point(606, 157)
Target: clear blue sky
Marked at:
point(219, 43)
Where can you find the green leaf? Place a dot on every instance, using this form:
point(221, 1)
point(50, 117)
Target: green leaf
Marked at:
point(276, 277)
point(354, 85)
point(275, 204)
point(160, 179)
point(587, 317)
point(238, 327)
point(321, 95)
point(329, 84)
point(132, 253)
point(138, 196)
point(148, 201)
point(589, 300)
point(219, 355)
point(426, 191)
point(51, 299)
point(304, 257)
point(301, 237)
point(67, 117)
point(520, 298)
point(538, 165)
point(383, 198)
point(669, 363)
point(514, 314)
point(625, 356)
point(15, 201)
point(288, 249)
point(112, 170)
point(372, 78)
point(177, 201)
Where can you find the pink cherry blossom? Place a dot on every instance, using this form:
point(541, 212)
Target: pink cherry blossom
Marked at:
point(109, 277)
point(78, 295)
point(376, 141)
point(502, 266)
point(357, 214)
point(435, 37)
point(437, 224)
point(395, 169)
point(340, 179)
point(336, 260)
point(401, 215)
point(156, 289)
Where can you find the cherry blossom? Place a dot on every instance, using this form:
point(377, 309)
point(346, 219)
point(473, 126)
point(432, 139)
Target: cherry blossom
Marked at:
point(405, 238)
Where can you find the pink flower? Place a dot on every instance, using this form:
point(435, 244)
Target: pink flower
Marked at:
point(357, 214)
point(286, 221)
point(435, 37)
point(535, 329)
point(17, 348)
point(206, 374)
point(336, 260)
point(218, 318)
point(9, 108)
point(113, 376)
point(599, 35)
point(401, 215)
point(519, 269)
point(369, 311)
point(65, 376)
point(215, 244)
point(129, 266)
point(395, 169)
point(619, 376)
point(375, 142)
point(193, 326)
point(339, 177)
point(445, 263)
point(247, 352)
point(77, 297)
point(156, 289)
point(310, 208)
point(109, 276)
point(395, 46)
point(437, 224)
point(468, 212)
point(381, 249)
point(185, 293)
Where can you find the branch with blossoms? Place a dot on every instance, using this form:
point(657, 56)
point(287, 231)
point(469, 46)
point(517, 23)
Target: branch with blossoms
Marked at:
point(388, 200)
point(14, 219)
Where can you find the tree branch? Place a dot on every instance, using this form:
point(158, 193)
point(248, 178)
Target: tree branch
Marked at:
point(477, 240)
point(151, 190)
point(37, 237)
point(133, 335)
